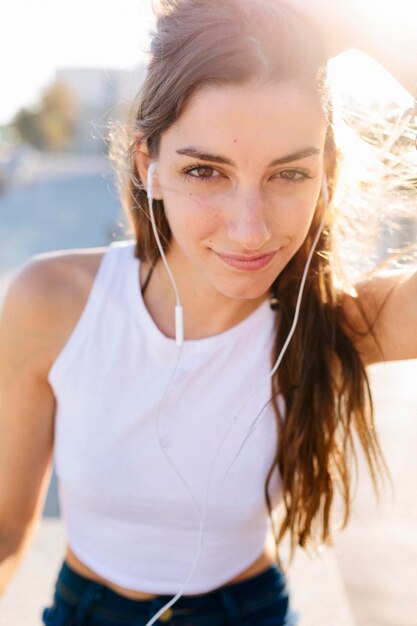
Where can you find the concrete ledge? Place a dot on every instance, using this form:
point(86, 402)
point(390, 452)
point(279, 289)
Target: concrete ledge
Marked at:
point(317, 587)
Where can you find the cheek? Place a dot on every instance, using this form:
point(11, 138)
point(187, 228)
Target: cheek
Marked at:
point(297, 206)
point(294, 216)
point(191, 222)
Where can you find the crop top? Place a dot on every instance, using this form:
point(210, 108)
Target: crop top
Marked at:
point(130, 502)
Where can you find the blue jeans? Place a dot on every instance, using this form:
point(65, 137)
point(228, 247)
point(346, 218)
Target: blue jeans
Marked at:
point(262, 600)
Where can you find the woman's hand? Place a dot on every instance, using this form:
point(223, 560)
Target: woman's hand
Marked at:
point(335, 20)
point(386, 30)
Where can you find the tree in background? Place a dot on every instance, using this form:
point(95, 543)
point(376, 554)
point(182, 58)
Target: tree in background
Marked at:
point(49, 126)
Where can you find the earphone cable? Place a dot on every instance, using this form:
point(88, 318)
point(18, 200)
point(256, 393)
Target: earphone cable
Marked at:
point(232, 420)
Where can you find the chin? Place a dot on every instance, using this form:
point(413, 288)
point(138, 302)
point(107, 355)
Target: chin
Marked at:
point(245, 292)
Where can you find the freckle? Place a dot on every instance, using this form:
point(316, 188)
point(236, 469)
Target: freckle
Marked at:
point(234, 140)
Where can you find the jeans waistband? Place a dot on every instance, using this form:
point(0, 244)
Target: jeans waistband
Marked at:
point(248, 593)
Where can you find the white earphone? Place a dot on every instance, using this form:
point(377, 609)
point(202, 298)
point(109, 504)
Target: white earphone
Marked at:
point(179, 341)
point(179, 323)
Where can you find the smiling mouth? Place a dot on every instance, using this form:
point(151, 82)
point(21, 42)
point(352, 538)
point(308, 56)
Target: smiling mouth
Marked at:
point(246, 262)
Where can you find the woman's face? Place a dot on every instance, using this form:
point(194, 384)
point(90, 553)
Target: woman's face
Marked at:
point(240, 173)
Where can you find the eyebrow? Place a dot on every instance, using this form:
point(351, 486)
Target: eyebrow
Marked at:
point(215, 158)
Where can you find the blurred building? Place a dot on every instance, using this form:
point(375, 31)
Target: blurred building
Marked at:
point(99, 95)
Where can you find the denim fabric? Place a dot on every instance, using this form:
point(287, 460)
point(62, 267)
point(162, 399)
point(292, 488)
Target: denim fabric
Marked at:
point(262, 600)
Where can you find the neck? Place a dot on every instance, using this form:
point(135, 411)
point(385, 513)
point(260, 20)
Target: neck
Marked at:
point(206, 311)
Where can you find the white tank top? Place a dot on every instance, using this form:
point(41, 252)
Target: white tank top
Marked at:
point(131, 504)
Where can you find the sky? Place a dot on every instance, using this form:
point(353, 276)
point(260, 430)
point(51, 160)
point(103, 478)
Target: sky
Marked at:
point(39, 37)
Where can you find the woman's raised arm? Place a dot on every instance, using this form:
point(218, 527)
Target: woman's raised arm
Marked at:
point(387, 31)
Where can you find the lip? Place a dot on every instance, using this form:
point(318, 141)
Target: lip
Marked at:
point(247, 262)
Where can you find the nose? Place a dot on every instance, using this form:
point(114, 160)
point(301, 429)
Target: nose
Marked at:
point(248, 225)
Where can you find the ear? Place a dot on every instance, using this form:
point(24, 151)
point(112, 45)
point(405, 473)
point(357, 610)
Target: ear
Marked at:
point(143, 160)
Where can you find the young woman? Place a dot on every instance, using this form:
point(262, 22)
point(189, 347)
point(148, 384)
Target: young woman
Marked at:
point(171, 453)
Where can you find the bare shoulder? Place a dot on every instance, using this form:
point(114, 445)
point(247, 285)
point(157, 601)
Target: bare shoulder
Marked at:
point(45, 300)
point(43, 304)
point(381, 316)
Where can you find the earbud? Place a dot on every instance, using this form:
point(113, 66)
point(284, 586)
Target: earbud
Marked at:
point(179, 323)
point(149, 181)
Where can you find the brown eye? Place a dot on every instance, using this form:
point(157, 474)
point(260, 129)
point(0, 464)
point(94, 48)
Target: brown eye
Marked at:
point(202, 174)
point(289, 174)
point(203, 171)
point(293, 175)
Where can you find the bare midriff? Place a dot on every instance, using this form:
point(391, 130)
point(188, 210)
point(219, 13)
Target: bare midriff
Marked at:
point(262, 563)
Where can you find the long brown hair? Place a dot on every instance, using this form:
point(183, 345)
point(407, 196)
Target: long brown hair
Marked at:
point(322, 378)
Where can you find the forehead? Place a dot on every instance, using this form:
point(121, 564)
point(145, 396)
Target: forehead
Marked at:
point(258, 119)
